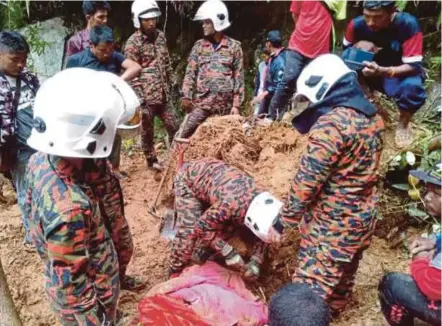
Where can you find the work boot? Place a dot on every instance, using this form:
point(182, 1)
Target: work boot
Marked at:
point(153, 164)
point(133, 284)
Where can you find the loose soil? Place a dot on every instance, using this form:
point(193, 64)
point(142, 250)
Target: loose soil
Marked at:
point(270, 155)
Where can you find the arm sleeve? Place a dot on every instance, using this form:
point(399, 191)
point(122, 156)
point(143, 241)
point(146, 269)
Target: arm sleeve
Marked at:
point(238, 78)
point(7, 125)
point(171, 78)
point(119, 57)
point(210, 223)
point(71, 47)
point(428, 278)
point(323, 151)
point(131, 50)
point(69, 284)
point(277, 75)
point(182, 249)
point(349, 36)
point(189, 82)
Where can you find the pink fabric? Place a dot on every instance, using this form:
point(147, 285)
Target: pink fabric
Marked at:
point(217, 294)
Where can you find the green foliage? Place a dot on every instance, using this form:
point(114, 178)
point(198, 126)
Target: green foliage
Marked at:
point(13, 14)
point(429, 159)
point(401, 4)
point(128, 146)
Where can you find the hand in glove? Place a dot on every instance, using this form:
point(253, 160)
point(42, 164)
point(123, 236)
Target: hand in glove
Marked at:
point(232, 258)
point(252, 270)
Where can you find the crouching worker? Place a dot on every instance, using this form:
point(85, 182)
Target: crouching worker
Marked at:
point(210, 196)
point(405, 297)
point(74, 202)
point(332, 200)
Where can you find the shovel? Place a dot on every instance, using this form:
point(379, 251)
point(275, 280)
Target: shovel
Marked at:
point(153, 210)
point(167, 225)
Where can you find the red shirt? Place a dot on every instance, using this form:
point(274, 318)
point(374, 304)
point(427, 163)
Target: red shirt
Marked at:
point(427, 278)
point(314, 24)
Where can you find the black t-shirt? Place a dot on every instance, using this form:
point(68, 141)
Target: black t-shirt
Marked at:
point(85, 59)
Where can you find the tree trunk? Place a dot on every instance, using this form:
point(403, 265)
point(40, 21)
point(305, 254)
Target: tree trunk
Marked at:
point(8, 314)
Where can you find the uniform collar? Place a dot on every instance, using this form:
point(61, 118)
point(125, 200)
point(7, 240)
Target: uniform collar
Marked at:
point(223, 43)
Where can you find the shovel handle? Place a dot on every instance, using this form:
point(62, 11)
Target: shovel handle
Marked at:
point(169, 163)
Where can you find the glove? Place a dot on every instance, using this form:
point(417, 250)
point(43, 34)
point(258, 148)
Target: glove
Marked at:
point(232, 258)
point(252, 270)
point(200, 255)
point(186, 105)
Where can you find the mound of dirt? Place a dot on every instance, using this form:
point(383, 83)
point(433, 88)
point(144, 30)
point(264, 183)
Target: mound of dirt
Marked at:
point(271, 155)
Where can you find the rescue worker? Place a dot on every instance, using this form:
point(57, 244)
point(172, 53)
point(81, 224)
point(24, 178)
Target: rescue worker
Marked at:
point(148, 47)
point(406, 297)
point(96, 13)
point(74, 203)
point(211, 198)
point(397, 68)
point(274, 72)
point(214, 79)
point(332, 200)
point(18, 87)
point(312, 36)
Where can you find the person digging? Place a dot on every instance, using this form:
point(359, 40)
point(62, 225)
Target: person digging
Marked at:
point(332, 200)
point(74, 202)
point(211, 200)
point(397, 70)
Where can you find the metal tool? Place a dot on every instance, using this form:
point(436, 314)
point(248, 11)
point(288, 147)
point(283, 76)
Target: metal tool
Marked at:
point(167, 225)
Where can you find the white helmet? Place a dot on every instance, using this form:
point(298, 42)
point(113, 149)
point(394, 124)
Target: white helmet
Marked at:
point(261, 214)
point(216, 11)
point(320, 75)
point(77, 112)
point(144, 9)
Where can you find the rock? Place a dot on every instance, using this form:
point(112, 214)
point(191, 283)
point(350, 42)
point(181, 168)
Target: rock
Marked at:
point(54, 33)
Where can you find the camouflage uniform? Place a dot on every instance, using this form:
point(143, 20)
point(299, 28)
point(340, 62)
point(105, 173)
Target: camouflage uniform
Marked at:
point(333, 201)
point(214, 80)
point(78, 226)
point(210, 198)
point(153, 85)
